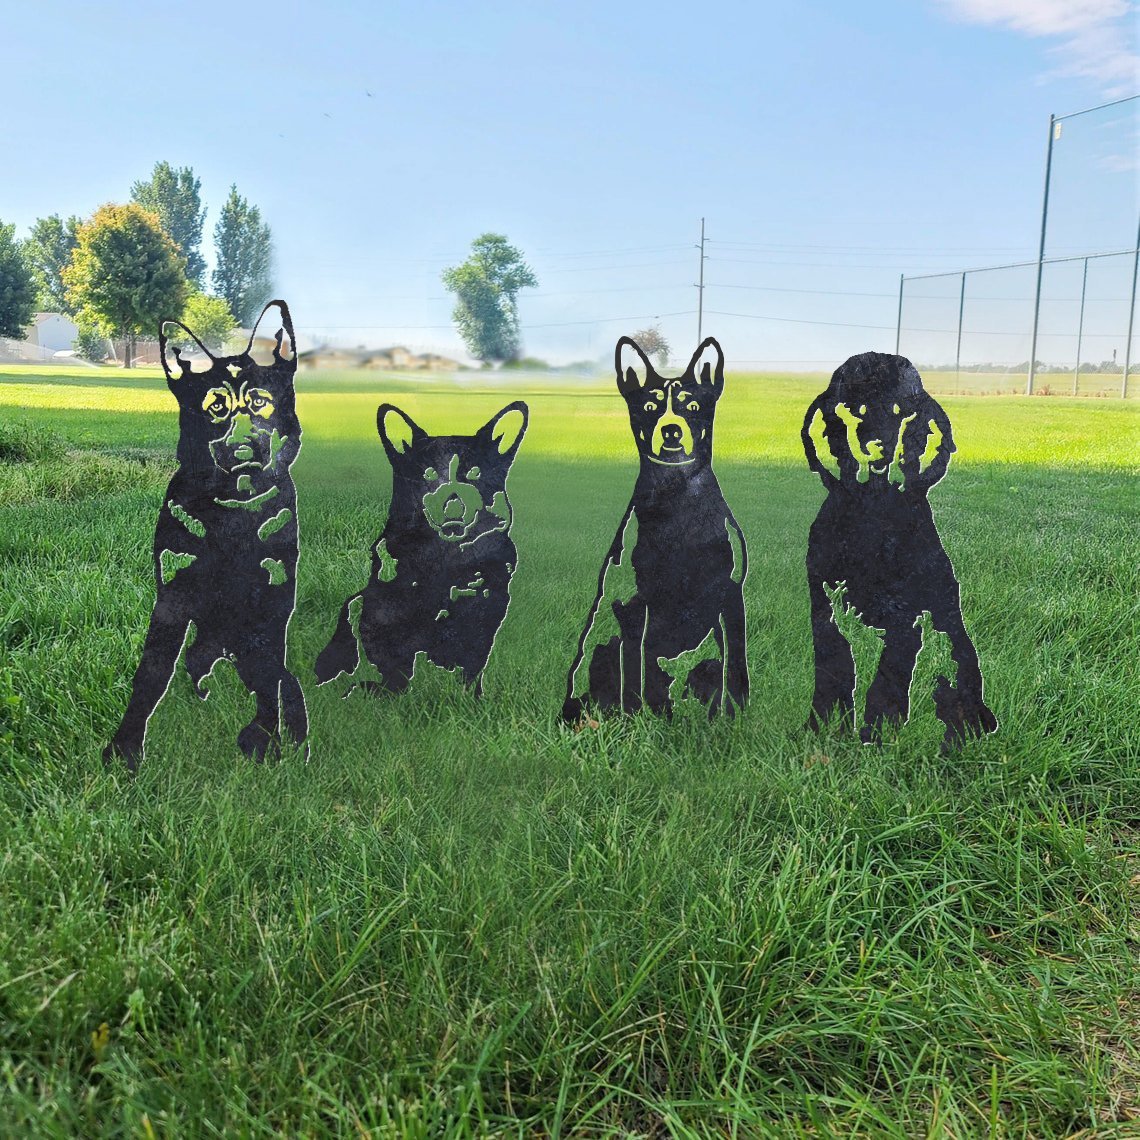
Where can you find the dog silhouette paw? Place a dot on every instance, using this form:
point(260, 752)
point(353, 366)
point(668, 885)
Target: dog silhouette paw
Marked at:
point(965, 717)
point(130, 754)
point(258, 744)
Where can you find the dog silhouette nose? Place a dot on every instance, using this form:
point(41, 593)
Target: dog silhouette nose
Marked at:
point(671, 434)
point(453, 508)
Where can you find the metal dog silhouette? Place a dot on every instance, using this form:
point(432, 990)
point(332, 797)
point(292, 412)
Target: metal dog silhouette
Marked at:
point(442, 566)
point(670, 591)
point(889, 442)
point(225, 547)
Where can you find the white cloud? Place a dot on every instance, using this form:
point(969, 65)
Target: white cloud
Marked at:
point(1097, 37)
point(1119, 163)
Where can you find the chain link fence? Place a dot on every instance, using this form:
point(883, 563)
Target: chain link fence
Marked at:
point(1077, 300)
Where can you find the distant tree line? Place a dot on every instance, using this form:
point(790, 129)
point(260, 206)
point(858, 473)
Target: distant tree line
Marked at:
point(1108, 367)
point(127, 267)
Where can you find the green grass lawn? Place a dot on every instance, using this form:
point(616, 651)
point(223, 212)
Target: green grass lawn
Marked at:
point(460, 918)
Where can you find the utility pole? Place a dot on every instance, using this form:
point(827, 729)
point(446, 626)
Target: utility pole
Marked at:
point(701, 284)
point(898, 323)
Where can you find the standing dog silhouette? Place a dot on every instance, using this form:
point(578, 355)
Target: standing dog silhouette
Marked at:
point(875, 535)
point(442, 566)
point(670, 589)
point(225, 548)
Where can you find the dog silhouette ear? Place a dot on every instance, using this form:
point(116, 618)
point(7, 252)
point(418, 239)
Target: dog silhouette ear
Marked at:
point(632, 366)
point(181, 351)
point(506, 428)
point(398, 431)
point(813, 435)
point(925, 461)
point(707, 365)
point(275, 325)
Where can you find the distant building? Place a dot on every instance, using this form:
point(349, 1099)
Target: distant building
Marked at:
point(395, 359)
point(52, 332)
point(47, 335)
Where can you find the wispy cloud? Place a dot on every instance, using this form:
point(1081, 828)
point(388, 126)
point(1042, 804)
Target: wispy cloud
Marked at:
point(1119, 163)
point(1095, 39)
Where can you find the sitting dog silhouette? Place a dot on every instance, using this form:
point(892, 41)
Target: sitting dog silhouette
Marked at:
point(225, 547)
point(875, 535)
point(672, 580)
point(442, 566)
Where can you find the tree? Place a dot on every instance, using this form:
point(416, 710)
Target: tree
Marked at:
point(243, 276)
point(126, 274)
point(174, 196)
point(653, 343)
point(90, 341)
point(209, 319)
point(17, 286)
point(486, 286)
point(48, 250)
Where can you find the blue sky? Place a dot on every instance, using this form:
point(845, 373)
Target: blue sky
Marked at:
point(830, 148)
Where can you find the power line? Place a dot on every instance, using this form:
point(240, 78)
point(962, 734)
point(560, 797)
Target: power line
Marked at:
point(781, 289)
point(309, 326)
point(800, 321)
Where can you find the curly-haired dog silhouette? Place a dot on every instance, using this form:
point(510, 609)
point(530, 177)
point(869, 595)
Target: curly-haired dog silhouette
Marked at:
point(875, 535)
point(225, 548)
point(670, 592)
point(442, 566)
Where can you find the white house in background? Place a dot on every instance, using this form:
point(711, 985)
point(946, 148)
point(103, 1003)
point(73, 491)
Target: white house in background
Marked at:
point(52, 332)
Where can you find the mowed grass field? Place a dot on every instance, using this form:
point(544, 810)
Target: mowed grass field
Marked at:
point(462, 919)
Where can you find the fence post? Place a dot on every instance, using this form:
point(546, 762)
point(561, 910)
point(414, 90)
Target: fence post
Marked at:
point(958, 350)
point(1131, 315)
point(1040, 262)
point(1080, 327)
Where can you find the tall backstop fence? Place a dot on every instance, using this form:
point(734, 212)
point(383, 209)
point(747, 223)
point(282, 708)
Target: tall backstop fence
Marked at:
point(978, 323)
point(1064, 321)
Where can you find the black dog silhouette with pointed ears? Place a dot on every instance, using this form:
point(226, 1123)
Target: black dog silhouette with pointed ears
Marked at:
point(673, 577)
point(442, 566)
point(875, 535)
point(225, 548)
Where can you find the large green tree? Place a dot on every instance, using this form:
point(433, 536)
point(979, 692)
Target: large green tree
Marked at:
point(243, 274)
point(126, 274)
point(48, 251)
point(17, 286)
point(486, 288)
point(174, 195)
point(209, 319)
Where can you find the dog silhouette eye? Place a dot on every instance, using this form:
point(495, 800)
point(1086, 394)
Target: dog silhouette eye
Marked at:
point(216, 404)
point(650, 406)
point(257, 401)
point(694, 406)
point(474, 473)
point(431, 474)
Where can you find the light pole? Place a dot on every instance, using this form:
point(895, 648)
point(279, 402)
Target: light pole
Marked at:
point(701, 284)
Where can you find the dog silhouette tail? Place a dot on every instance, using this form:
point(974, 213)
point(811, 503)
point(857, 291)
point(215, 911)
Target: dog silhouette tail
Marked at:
point(342, 654)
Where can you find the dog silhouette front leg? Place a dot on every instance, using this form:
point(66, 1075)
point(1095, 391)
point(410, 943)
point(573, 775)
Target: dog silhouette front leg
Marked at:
point(294, 714)
point(960, 705)
point(391, 646)
point(632, 618)
point(605, 676)
point(266, 679)
point(834, 664)
point(164, 639)
point(734, 651)
point(888, 699)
